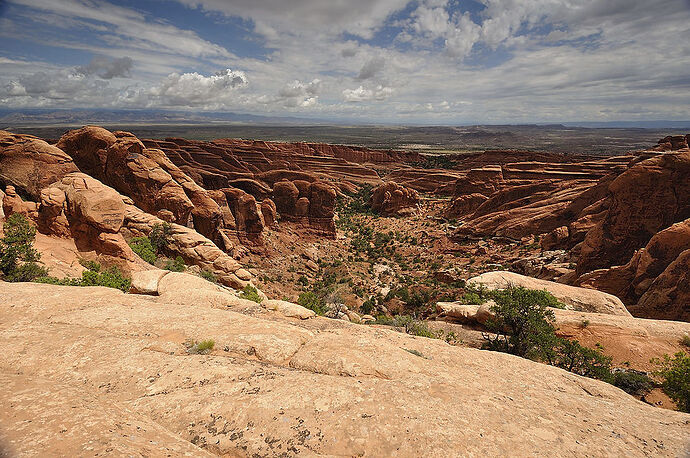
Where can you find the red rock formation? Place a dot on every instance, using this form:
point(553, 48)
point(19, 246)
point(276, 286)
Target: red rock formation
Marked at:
point(649, 197)
point(30, 164)
point(392, 199)
point(673, 143)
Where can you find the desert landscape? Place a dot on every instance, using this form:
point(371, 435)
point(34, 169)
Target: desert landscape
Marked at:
point(362, 228)
point(242, 297)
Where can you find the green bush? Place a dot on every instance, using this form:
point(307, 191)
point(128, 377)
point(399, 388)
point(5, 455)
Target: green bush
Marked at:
point(632, 382)
point(208, 276)
point(523, 325)
point(176, 265)
point(573, 357)
point(144, 249)
point(18, 257)
point(312, 301)
point(675, 378)
point(111, 278)
point(251, 293)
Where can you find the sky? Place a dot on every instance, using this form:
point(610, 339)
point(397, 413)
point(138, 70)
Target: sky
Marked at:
point(389, 61)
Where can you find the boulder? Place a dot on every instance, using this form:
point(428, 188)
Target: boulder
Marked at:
point(574, 298)
point(146, 282)
point(392, 199)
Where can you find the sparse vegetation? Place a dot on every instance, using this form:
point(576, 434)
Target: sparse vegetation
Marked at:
point(632, 382)
point(313, 302)
point(200, 348)
point(523, 326)
point(685, 341)
point(176, 265)
point(93, 276)
point(208, 276)
point(144, 249)
point(674, 373)
point(251, 293)
point(18, 257)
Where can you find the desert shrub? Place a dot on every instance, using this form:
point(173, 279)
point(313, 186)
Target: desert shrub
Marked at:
point(312, 301)
point(632, 382)
point(111, 278)
point(685, 341)
point(251, 293)
point(367, 307)
point(90, 265)
point(160, 236)
point(302, 280)
point(18, 257)
point(144, 249)
point(208, 276)
point(472, 298)
point(522, 324)
point(200, 348)
point(580, 360)
point(176, 265)
point(409, 324)
point(674, 373)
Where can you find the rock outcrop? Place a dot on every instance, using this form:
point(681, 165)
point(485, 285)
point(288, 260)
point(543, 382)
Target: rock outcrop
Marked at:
point(574, 298)
point(141, 391)
point(30, 164)
point(392, 199)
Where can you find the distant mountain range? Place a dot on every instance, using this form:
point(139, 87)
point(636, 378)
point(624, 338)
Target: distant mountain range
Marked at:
point(98, 116)
point(44, 116)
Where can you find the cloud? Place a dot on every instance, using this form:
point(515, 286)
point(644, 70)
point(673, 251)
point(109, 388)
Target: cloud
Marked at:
point(194, 89)
point(371, 68)
point(364, 95)
point(108, 68)
point(358, 17)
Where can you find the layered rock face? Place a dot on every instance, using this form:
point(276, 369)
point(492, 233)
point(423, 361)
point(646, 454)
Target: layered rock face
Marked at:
point(141, 392)
point(392, 199)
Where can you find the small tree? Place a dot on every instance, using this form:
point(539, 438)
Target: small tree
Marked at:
point(675, 375)
point(160, 236)
point(522, 324)
point(18, 257)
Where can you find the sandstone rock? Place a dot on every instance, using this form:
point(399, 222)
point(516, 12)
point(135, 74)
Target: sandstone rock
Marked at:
point(13, 203)
point(92, 203)
point(289, 309)
point(647, 198)
point(146, 282)
point(574, 298)
point(30, 164)
point(194, 248)
point(555, 239)
point(392, 199)
point(465, 205)
point(135, 349)
point(269, 213)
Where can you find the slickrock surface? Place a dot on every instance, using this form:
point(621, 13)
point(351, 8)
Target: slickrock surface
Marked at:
point(94, 371)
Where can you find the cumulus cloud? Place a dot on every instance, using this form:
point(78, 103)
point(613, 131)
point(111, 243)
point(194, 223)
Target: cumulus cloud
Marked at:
point(195, 90)
point(108, 68)
point(44, 87)
point(361, 94)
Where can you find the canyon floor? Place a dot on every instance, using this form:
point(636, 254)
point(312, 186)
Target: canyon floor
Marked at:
point(298, 262)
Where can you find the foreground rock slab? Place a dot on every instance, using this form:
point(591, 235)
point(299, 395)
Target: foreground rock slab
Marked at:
point(273, 386)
